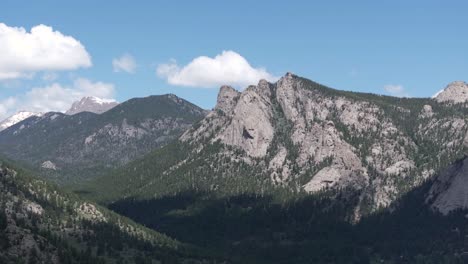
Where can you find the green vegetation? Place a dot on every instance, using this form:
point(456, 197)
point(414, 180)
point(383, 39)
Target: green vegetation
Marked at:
point(73, 230)
point(222, 205)
point(252, 229)
point(209, 195)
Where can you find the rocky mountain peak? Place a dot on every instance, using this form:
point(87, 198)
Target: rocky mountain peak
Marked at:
point(289, 75)
point(455, 92)
point(286, 81)
point(227, 97)
point(265, 88)
point(263, 83)
point(347, 138)
point(92, 104)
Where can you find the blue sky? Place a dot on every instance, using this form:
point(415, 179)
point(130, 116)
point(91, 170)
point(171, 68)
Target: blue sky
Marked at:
point(404, 48)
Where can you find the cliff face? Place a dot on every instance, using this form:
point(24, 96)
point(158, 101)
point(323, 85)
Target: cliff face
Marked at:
point(450, 190)
point(315, 138)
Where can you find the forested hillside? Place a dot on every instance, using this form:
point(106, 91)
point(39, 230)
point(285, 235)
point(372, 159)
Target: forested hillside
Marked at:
point(298, 172)
point(39, 223)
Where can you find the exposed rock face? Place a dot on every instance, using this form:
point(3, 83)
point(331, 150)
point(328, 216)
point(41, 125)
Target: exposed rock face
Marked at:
point(227, 99)
point(48, 165)
point(111, 139)
point(455, 92)
point(91, 104)
point(336, 178)
point(90, 212)
point(426, 112)
point(450, 190)
point(250, 127)
point(297, 129)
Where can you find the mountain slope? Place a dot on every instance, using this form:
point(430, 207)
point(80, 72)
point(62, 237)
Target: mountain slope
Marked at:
point(449, 191)
point(296, 172)
point(91, 104)
point(42, 224)
point(73, 148)
point(296, 136)
point(310, 229)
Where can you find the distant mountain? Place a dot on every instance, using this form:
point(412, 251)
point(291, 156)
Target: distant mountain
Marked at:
point(76, 147)
point(40, 223)
point(16, 118)
point(91, 104)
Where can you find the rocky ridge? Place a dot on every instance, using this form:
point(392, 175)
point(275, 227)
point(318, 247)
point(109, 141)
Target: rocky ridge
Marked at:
point(351, 141)
point(91, 104)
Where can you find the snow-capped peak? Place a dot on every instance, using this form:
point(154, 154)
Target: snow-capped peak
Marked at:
point(91, 104)
point(16, 118)
point(101, 100)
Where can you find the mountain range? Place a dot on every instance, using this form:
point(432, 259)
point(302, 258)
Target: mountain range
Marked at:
point(284, 172)
point(299, 136)
point(71, 148)
point(86, 104)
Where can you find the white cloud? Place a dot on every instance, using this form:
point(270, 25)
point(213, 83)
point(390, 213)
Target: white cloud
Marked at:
point(126, 63)
point(396, 90)
point(226, 68)
point(6, 105)
point(55, 97)
point(50, 76)
point(41, 49)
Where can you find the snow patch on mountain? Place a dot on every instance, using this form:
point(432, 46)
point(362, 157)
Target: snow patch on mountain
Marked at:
point(92, 104)
point(16, 118)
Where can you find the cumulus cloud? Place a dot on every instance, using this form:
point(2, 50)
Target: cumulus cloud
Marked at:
point(6, 105)
point(396, 90)
point(226, 68)
point(55, 97)
point(125, 63)
point(41, 49)
point(49, 76)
